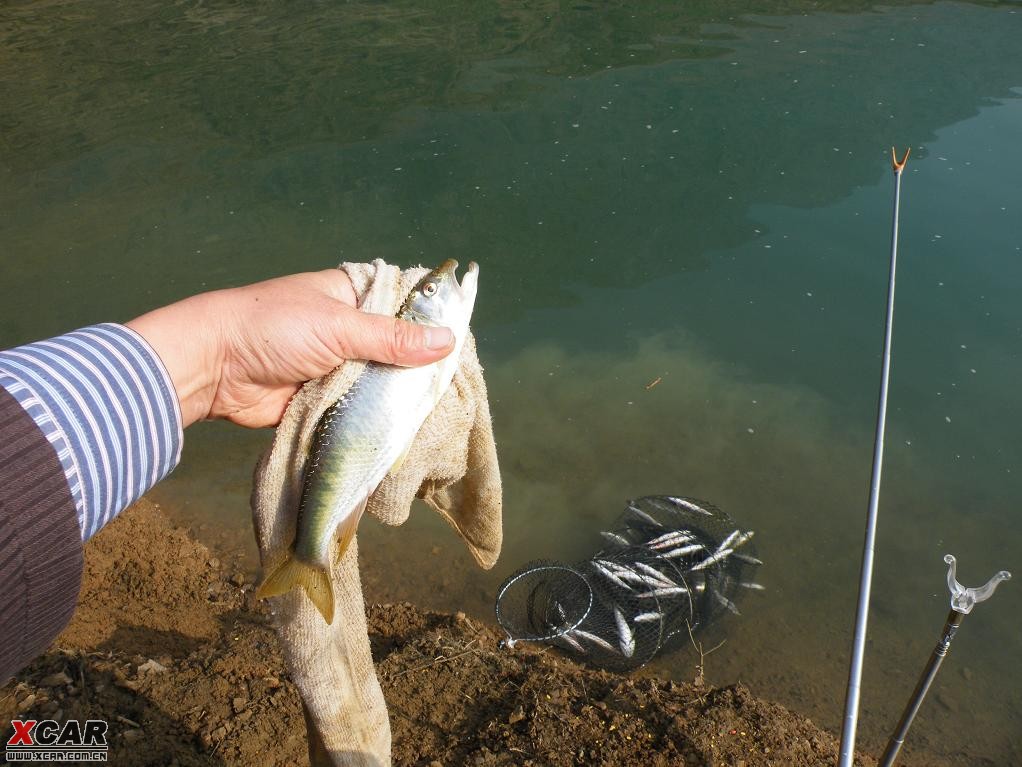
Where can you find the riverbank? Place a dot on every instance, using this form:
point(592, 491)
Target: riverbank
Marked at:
point(171, 648)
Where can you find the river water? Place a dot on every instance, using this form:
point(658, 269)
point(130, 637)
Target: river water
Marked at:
point(699, 194)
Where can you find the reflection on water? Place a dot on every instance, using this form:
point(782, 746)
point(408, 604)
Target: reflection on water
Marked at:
point(696, 193)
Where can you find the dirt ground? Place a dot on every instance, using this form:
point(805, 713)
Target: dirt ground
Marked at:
point(171, 648)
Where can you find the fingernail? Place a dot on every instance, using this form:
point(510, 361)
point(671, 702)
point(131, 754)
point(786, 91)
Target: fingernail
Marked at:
point(438, 338)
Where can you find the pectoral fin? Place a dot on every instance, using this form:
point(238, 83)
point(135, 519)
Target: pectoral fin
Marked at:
point(347, 528)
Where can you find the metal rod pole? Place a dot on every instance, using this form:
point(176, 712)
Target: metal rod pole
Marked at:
point(954, 620)
point(847, 753)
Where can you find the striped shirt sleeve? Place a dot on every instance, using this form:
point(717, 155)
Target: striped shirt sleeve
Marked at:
point(105, 402)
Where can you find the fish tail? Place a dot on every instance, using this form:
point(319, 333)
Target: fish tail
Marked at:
point(314, 579)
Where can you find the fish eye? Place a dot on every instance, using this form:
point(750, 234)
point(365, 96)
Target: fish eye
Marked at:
point(429, 289)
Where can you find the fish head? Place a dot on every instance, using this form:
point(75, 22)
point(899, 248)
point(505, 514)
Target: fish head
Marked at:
point(439, 299)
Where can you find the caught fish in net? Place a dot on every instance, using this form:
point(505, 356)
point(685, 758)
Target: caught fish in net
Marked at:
point(669, 565)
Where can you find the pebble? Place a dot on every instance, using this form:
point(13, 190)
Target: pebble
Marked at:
point(55, 680)
point(219, 733)
point(238, 579)
point(131, 735)
point(27, 702)
point(239, 704)
point(151, 665)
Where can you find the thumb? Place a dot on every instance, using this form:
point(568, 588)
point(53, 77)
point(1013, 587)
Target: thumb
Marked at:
point(386, 339)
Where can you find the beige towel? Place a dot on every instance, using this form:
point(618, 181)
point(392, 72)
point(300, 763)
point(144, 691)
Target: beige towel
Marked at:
point(452, 466)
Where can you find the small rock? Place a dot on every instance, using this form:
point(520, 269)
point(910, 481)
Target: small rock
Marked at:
point(130, 735)
point(516, 716)
point(55, 680)
point(436, 763)
point(245, 715)
point(459, 616)
point(272, 682)
point(219, 733)
point(239, 704)
point(26, 703)
point(238, 579)
point(151, 666)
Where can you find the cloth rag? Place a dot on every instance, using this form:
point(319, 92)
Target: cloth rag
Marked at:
point(452, 466)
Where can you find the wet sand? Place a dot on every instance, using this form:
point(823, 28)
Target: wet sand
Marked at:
point(170, 647)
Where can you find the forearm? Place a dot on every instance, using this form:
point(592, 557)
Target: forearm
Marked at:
point(103, 400)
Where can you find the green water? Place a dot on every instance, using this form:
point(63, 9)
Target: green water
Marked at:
point(699, 193)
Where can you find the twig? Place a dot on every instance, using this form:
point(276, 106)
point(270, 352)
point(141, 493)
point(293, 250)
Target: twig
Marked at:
point(436, 661)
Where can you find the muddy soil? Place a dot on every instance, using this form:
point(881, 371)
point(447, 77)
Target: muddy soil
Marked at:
point(171, 648)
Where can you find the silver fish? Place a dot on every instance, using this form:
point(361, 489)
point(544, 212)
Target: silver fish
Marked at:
point(614, 538)
point(601, 567)
point(669, 539)
point(713, 558)
point(752, 586)
point(598, 641)
point(647, 617)
point(643, 515)
point(625, 636)
point(652, 572)
point(727, 541)
point(747, 559)
point(726, 602)
point(571, 642)
point(665, 592)
point(365, 435)
point(686, 504)
point(691, 548)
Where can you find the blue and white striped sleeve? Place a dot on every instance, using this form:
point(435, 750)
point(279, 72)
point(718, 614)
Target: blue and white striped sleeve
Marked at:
point(106, 403)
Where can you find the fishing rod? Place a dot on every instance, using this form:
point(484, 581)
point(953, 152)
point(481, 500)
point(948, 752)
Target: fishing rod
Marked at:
point(851, 719)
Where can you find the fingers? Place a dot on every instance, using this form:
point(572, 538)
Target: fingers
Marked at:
point(387, 339)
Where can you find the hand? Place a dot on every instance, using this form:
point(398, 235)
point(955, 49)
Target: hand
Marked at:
point(241, 353)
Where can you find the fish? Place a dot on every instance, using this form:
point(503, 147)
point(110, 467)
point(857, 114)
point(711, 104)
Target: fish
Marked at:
point(726, 602)
point(626, 639)
point(747, 559)
point(601, 567)
point(687, 504)
point(669, 539)
point(690, 548)
point(652, 572)
point(712, 559)
point(366, 435)
point(664, 592)
point(598, 641)
point(614, 538)
point(642, 515)
point(752, 586)
point(569, 640)
point(647, 617)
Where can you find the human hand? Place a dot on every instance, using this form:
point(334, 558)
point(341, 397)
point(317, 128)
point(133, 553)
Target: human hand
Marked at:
point(241, 353)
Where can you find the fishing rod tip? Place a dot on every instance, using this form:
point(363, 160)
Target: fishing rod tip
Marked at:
point(898, 166)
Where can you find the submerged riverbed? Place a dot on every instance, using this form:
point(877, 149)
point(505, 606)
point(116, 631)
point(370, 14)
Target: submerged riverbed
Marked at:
point(698, 194)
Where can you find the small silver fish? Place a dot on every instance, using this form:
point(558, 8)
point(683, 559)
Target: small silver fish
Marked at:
point(747, 559)
point(686, 504)
point(365, 435)
point(725, 601)
point(571, 642)
point(669, 539)
point(643, 515)
point(614, 538)
point(647, 617)
point(625, 636)
point(598, 641)
point(712, 559)
point(662, 593)
point(727, 541)
point(691, 548)
point(652, 572)
point(601, 567)
point(752, 586)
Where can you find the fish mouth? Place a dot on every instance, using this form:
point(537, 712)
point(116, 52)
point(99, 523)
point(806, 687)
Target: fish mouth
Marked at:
point(468, 282)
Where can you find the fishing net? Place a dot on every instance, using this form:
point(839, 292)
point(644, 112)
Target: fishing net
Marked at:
point(669, 565)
